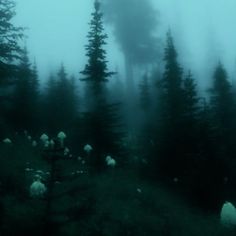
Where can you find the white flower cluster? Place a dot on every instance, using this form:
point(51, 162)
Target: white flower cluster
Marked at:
point(61, 136)
point(50, 143)
point(37, 189)
point(110, 161)
point(66, 151)
point(228, 215)
point(45, 140)
point(88, 148)
point(7, 141)
point(34, 143)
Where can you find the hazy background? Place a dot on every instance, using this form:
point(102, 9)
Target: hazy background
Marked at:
point(203, 31)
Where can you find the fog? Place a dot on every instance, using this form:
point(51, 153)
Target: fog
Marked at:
point(202, 31)
point(80, 155)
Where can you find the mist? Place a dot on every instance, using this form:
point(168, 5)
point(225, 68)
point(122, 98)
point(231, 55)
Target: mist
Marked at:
point(117, 117)
point(62, 28)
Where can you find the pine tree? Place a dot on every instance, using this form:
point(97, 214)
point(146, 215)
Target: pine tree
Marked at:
point(101, 117)
point(9, 36)
point(172, 84)
point(49, 108)
point(216, 143)
point(146, 123)
point(221, 100)
point(96, 70)
point(222, 107)
point(145, 96)
point(35, 84)
point(191, 99)
point(35, 99)
point(24, 97)
point(67, 98)
point(190, 128)
point(60, 94)
point(10, 53)
point(170, 140)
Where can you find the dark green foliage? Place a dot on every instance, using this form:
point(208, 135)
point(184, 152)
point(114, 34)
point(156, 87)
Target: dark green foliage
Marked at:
point(102, 130)
point(217, 143)
point(60, 102)
point(9, 40)
point(112, 203)
point(96, 70)
point(49, 107)
point(191, 142)
point(191, 99)
point(100, 121)
point(25, 102)
point(222, 105)
point(188, 145)
point(10, 53)
point(172, 91)
point(9, 34)
point(35, 86)
point(190, 127)
point(170, 140)
point(145, 96)
point(222, 101)
point(67, 99)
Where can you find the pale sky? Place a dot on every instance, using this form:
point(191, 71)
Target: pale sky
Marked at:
point(57, 31)
point(58, 28)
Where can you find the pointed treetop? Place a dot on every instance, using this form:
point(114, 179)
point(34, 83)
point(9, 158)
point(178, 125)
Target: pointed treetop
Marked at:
point(97, 5)
point(62, 72)
point(25, 56)
point(96, 69)
point(170, 50)
point(189, 75)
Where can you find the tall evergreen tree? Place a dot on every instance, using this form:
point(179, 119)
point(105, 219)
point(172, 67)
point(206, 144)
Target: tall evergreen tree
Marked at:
point(25, 96)
point(172, 84)
point(190, 129)
point(60, 93)
point(10, 52)
point(96, 70)
point(66, 98)
point(9, 36)
point(35, 99)
point(101, 117)
point(222, 105)
point(170, 140)
point(35, 83)
point(49, 107)
point(222, 101)
point(145, 96)
point(191, 99)
point(216, 142)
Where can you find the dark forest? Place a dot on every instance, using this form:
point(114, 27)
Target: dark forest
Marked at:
point(105, 152)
